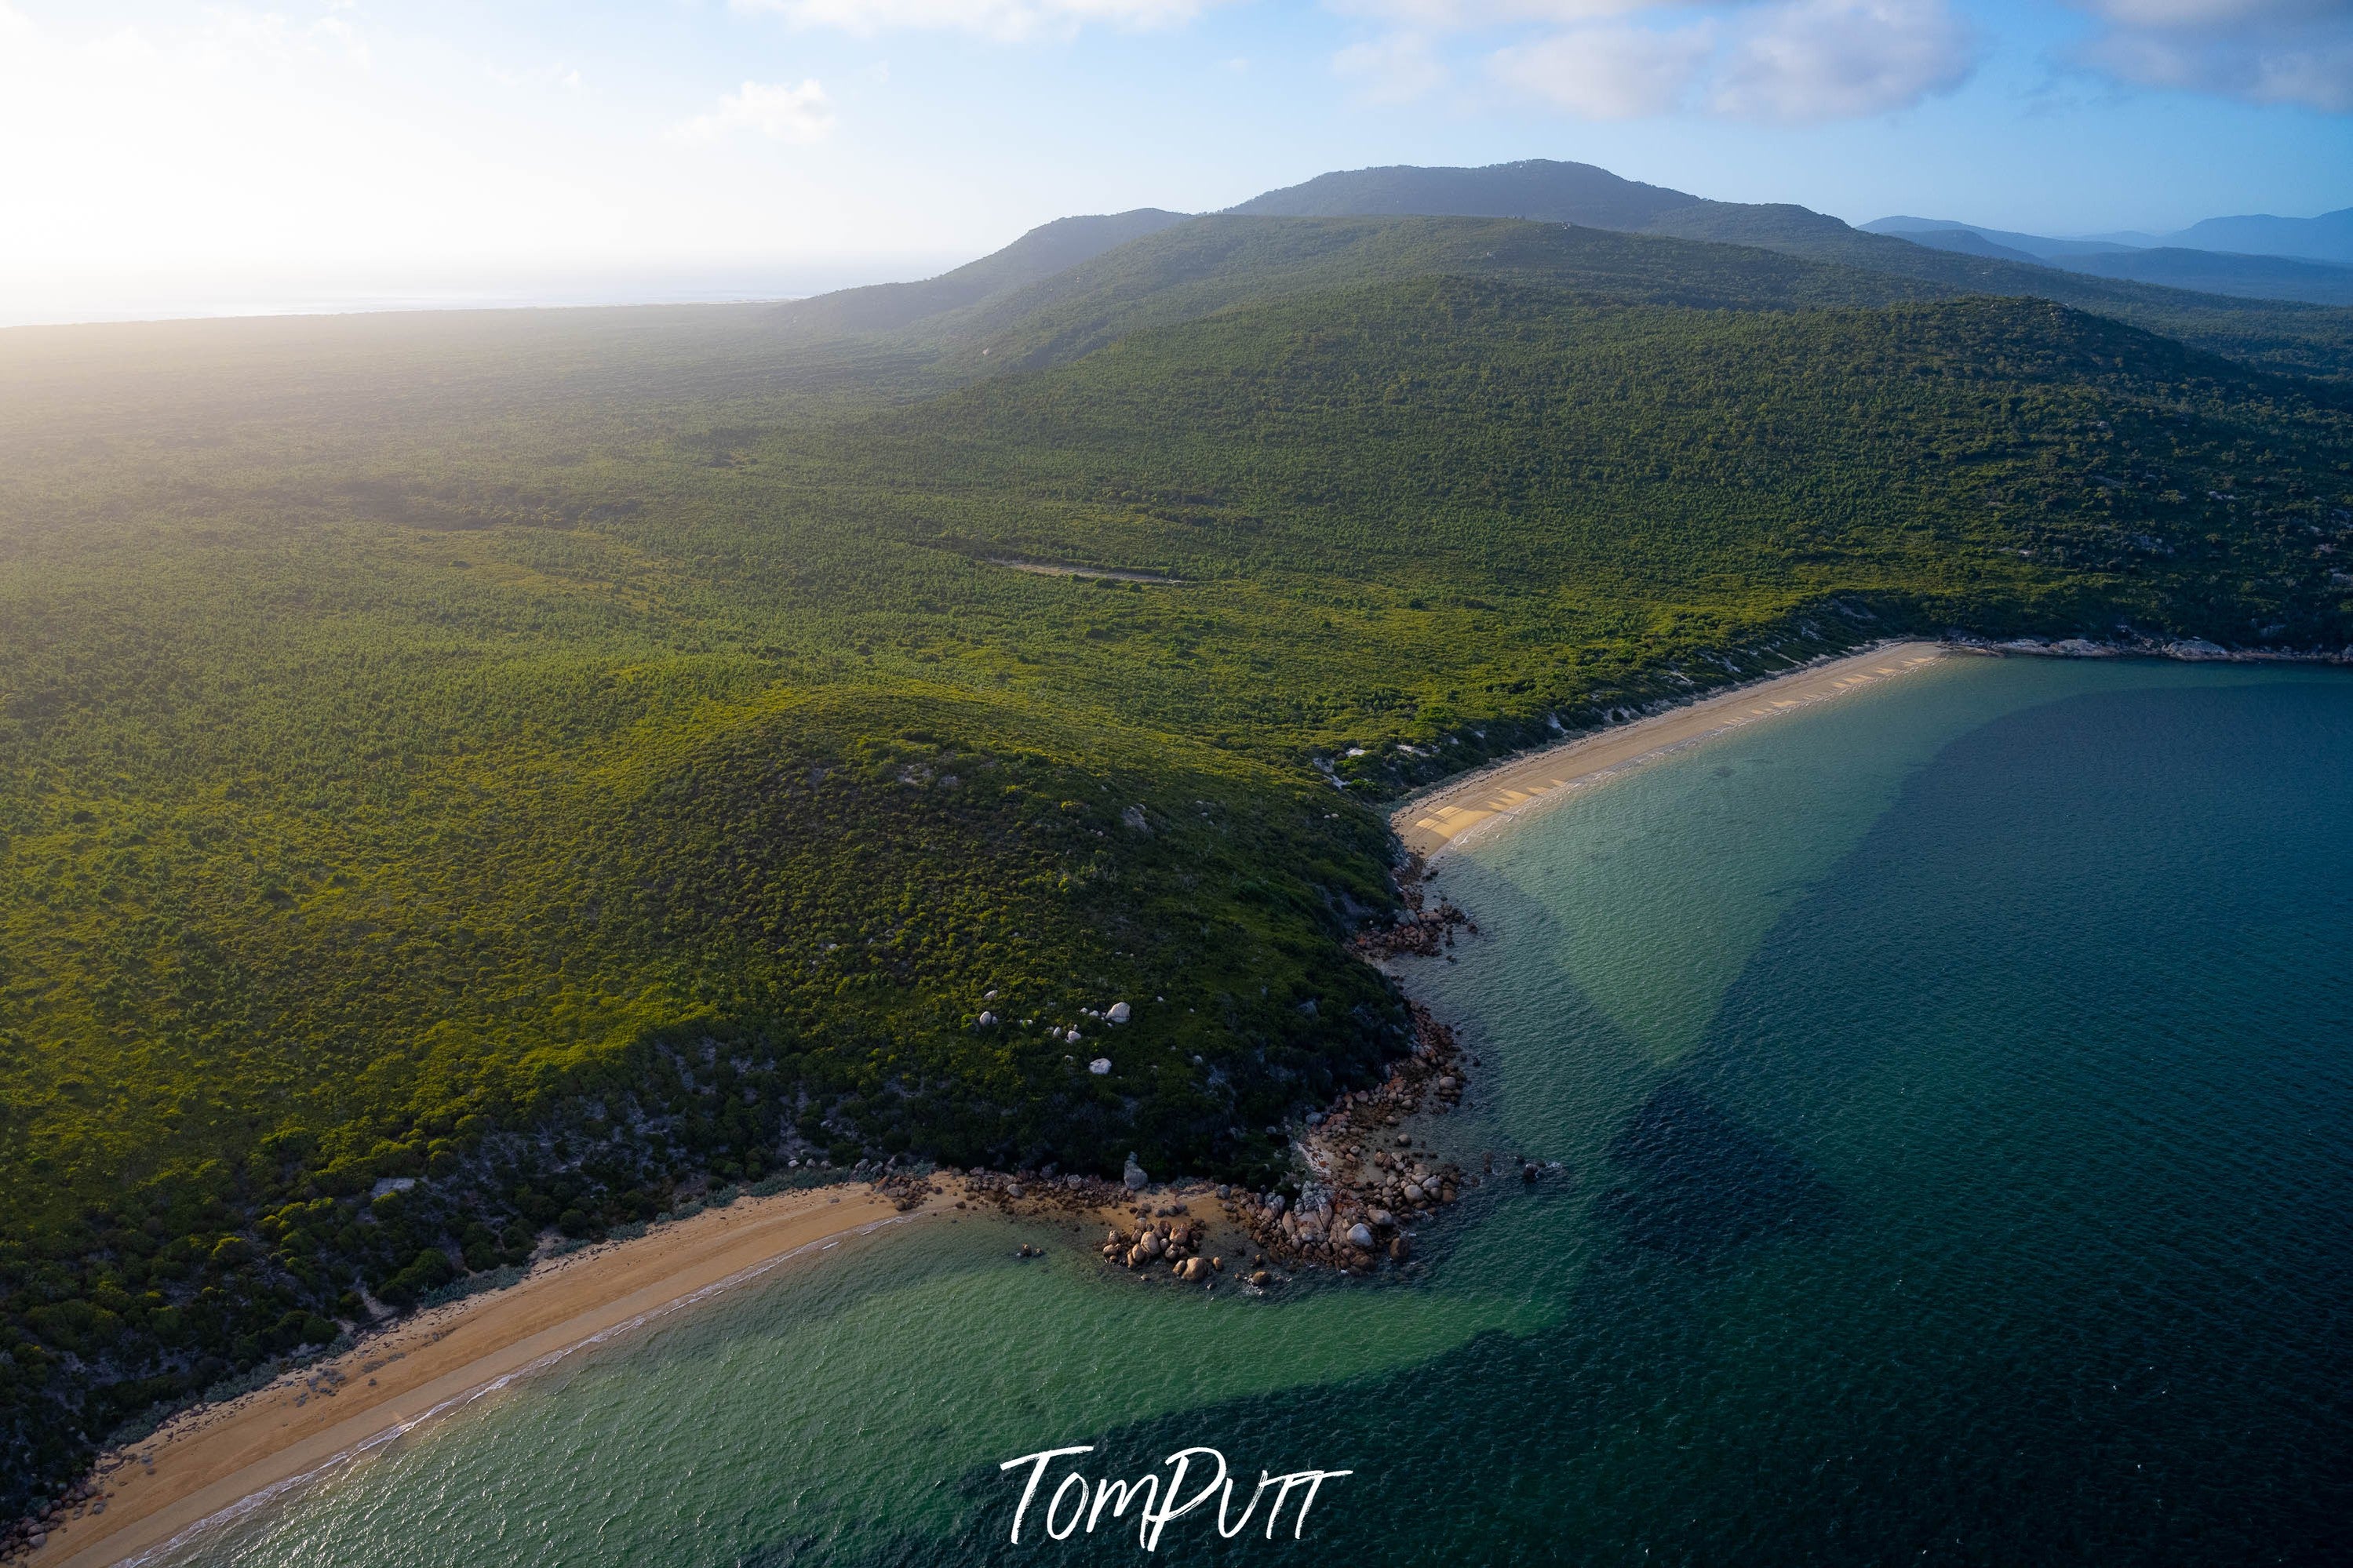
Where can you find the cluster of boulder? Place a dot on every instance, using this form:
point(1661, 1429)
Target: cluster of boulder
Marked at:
point(1037, 1191)
point(87, 1496)
point(906, 1190)
point(2195, 649)
point(1176, 1244)
point(1366, 1181)
point(1425, 929)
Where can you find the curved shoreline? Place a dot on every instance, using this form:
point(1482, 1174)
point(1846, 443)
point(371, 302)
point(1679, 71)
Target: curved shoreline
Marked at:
point(1457, 813)
point(217, 1462)
point(211, 1465)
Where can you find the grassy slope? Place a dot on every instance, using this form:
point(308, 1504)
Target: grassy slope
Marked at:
point(419, 738)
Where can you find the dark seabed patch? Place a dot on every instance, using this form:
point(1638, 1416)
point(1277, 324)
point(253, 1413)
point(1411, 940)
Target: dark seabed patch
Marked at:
point(1703, 1183)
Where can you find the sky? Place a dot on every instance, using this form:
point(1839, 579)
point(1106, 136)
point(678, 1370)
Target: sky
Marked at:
point(160, 159)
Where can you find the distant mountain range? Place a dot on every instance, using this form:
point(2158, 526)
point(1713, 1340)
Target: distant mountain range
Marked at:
point(1976, 239)
point(2328, 237)
point(1581, 193)
point(2309, 258)
point(1073, 286)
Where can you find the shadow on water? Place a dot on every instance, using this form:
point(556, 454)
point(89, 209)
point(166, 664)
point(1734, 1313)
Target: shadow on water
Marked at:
point(1462, 1449)
point(1702, 1183)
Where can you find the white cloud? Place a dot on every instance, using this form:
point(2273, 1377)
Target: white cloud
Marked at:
point(1608, 73)
point(558, 75)
point(802, 115)
point(1398, 68)
point(1468, 16)
point(2263, 51)
point(2212, 13)
point(1008, 20)
point(1794, 62)
point(1843, 59)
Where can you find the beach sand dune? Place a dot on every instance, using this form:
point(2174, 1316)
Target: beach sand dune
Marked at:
point(1456, 812)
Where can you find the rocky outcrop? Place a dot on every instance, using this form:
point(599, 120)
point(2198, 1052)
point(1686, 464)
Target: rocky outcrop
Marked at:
point(1174, 1242)
point(2193, 649)
point(1424, 929)
point(1037, 1191)
point(1366, 1180)
point(906, 1190)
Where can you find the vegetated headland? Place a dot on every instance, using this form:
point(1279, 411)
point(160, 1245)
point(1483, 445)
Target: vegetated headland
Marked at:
point(467, 779)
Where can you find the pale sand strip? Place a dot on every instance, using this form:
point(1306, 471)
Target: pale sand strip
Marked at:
point(211, 1462)
point(1440, 820)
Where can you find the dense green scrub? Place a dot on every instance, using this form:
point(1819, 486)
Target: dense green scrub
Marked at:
point(1488, 500)
point(550, 755)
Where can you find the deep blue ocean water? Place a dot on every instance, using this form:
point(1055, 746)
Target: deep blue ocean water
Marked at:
point(1953, 1088)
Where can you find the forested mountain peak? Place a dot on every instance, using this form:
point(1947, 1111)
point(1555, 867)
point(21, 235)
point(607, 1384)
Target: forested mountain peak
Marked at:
point(1536, 188)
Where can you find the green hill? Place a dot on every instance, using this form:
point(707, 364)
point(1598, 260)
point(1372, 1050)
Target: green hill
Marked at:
point(554, 754)
point(1212, 264)
point(1040, 254)
point(2272, 332)
point(1538, 188)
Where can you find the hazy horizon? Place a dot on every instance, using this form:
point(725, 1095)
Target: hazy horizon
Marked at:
point(83, 304)
point(338, 153)
point(87, 301)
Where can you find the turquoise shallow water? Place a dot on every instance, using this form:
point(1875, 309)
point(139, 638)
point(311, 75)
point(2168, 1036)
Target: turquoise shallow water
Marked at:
point(1955, 1090)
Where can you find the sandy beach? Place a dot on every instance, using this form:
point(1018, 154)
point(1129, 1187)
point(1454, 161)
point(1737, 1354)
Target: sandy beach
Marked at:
point(211, 1459)
point(1452, 814)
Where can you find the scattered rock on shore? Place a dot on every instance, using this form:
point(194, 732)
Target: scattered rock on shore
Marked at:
point(1356, 1190)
